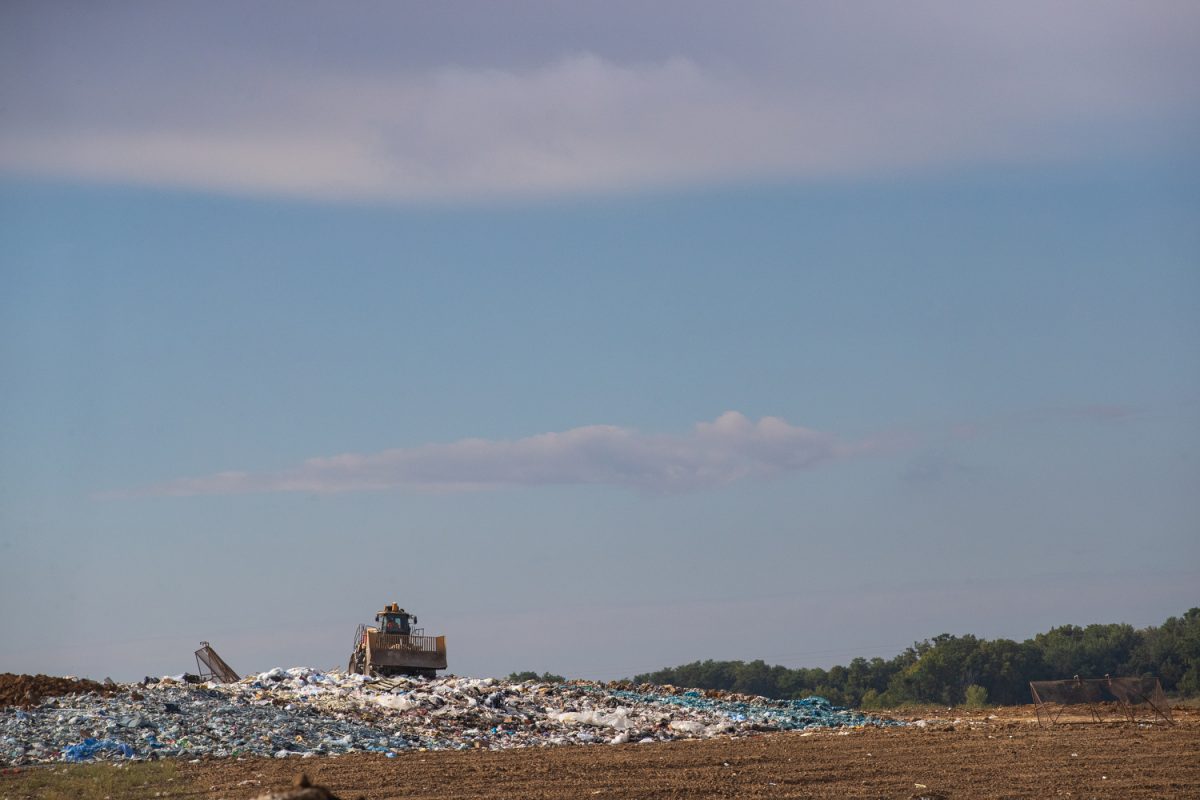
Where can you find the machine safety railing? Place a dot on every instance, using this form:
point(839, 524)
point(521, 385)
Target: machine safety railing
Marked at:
point(360, 634)
point(389, 641)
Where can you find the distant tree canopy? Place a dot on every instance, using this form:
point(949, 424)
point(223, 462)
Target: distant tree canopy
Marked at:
point(943, 669)
point(545, 677)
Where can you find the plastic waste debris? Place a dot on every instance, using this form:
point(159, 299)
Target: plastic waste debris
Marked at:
point(301, 712)
point(395, 702)
point(618, 719)
point(89, 748)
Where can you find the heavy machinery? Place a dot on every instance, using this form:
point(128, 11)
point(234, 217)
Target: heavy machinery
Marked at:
point(392, 646)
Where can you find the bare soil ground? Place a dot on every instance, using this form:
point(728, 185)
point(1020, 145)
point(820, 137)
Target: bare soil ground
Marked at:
point(956, 755)
point(991, 759)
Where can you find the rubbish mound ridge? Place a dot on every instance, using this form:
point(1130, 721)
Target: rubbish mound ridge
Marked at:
point(26, 691)
point(302, 712)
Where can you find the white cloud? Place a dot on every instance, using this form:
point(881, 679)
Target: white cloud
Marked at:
point(826, 92)
point(716, 453)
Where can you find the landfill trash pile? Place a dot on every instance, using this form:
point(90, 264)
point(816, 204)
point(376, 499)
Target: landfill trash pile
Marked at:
point(303, 712)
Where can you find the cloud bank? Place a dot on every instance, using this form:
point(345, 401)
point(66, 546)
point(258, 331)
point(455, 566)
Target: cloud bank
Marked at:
point(414, 111)
point(728, 449)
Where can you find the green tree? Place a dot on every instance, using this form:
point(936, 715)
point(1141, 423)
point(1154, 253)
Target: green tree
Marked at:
point(940, 674)
point(1172, 653)
point(755, 678)
point(545, 677)
point(1091, 652)
point(942, 669)
point(1004, 668)
point(976, 696)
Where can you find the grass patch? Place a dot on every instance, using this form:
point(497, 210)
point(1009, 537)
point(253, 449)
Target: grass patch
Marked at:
point(91, 781)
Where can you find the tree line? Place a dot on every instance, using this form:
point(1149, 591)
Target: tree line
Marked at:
point(951, 670)
point(528, 675)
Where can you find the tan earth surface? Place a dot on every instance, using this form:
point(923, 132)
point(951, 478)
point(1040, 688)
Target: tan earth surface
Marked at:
point(1004, 757)
point(999, 753)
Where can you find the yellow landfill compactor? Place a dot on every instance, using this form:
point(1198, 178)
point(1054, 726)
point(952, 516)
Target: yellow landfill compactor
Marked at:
point(392, 646)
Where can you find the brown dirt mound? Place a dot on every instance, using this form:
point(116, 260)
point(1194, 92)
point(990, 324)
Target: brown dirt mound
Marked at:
point(302, 789)
point(26, 691)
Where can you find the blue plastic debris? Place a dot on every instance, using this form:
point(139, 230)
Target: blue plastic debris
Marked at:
point(786, 715)
point(88, 748)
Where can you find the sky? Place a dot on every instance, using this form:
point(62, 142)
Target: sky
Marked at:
point(602, 336)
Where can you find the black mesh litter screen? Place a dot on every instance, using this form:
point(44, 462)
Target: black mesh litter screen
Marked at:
point(1100, 699)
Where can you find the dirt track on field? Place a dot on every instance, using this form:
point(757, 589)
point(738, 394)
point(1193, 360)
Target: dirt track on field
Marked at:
point(974, 757)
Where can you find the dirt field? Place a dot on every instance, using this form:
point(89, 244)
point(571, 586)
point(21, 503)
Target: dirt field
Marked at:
point(955, 756)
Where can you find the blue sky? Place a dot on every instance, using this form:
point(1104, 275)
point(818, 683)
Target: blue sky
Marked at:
point(770, 334)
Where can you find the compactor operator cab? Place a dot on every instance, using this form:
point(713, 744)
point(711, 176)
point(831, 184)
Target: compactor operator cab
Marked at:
point(394, 619)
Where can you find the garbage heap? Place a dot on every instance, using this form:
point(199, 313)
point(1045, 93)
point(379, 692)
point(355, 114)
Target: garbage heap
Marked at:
point(302, 712)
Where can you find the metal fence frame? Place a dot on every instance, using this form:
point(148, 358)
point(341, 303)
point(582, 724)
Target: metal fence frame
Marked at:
point(1129, 695)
